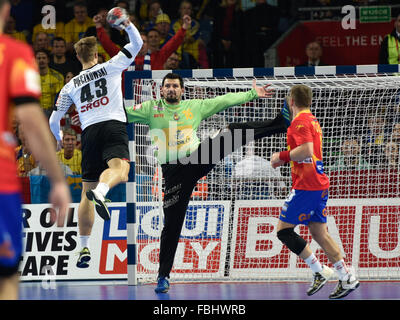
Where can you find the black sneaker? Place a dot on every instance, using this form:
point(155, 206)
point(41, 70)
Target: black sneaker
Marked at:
point(84, 258)
point(99, 204)
point(343, 288)
point(320, 278)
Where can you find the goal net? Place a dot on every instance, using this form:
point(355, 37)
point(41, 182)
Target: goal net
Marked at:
point(230, 227)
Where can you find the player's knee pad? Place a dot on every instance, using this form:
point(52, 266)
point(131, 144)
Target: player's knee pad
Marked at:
point(292, 240)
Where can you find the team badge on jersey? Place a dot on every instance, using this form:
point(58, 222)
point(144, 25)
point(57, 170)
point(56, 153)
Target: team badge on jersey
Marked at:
point(176, 116)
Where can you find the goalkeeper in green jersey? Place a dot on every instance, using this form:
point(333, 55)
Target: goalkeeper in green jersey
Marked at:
point(184, 159)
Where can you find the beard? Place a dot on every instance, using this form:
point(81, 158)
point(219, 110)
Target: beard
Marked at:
point(171, 99)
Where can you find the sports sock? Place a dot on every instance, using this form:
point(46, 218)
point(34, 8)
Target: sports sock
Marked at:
point(313, 263)
point(341, 270)
point(84, 240)
point(102, 188)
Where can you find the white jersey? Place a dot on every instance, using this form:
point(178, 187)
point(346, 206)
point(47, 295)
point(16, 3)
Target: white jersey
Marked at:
point(96, 92)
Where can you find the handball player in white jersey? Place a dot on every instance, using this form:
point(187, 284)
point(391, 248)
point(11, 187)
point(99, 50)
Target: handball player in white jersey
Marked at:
point(97, 95)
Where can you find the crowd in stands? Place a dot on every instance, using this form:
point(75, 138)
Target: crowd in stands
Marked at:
point(177, 34)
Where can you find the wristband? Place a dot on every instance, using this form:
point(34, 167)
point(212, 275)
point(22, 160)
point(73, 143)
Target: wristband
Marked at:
point(284, 156)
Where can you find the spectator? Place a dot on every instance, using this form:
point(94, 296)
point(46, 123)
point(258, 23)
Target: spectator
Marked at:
point(227, 35)
point(25, 160)
point(192, 44)
point(254, 178)
point(394, 113)
point(59, 60)
point(51, 81)
point(247, 4)
point(76, 28)
point(153, 40)
point(350, 157)
point(9, 29)
point(373, 141)
point(392, 155)
point(123, 4)
point(69, 154)
point(41, 42)
point(314, 54)
point(389, 50)
point(135, 20)
point(71, 118)
point(163, 25)
point(142, 7)
point(101, 58)
point(153, 10)
point(51, 33)
point(172, 62)
point(395, 137)
point(261, 23)
point(22, 10)
point(156, 55)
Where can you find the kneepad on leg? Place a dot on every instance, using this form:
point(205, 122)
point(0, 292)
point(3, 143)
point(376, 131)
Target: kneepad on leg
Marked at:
point(292, 240)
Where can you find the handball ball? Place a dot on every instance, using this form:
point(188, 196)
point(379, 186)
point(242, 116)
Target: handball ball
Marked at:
point(116, 16)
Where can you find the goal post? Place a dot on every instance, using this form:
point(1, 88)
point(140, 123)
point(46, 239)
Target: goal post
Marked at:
point(229, 231)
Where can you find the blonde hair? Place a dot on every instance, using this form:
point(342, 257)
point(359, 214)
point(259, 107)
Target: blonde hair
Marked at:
point(86, 48)
point(302, 95)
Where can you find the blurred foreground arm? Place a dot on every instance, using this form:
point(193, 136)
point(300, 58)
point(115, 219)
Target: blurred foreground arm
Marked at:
point(41, 143)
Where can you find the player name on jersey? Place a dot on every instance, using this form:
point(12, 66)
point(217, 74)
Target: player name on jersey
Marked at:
point(89, 76)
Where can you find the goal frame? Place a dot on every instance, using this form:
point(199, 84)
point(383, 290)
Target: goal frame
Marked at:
point(278, 72)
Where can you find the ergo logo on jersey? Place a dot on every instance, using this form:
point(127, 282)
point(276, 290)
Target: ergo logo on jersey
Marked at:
point(95, 104)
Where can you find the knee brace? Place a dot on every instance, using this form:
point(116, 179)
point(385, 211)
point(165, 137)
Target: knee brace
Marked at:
point(292, 240)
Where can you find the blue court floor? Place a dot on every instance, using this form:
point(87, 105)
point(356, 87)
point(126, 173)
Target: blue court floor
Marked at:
point(113, 290)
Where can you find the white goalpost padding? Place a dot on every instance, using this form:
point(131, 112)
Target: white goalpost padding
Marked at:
point(229, 232)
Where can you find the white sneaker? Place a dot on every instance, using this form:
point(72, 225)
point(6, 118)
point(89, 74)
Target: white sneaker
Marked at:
point(319, 280)
point(344, 287)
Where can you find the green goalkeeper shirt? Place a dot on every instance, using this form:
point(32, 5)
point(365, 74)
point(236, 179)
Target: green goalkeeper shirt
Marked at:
point(173, 128)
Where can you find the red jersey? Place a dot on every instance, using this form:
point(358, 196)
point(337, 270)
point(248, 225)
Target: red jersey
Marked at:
point(308, 174)
point(19, 83)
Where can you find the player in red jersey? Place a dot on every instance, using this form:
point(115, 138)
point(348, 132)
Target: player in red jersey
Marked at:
point(306, 203)
point(19, 97)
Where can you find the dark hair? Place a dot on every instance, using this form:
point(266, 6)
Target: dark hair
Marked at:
point(172, 75)
point(80, 3)
point(153, 29)
point(59, 39)
point(46, 52)
point(124, 1)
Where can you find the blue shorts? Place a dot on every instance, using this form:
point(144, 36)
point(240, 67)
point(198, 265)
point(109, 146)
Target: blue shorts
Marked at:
point(303, 206)
point(10, 233)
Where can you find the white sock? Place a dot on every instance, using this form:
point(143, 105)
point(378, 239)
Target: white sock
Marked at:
point(341, 270)
point(84, 240)
point(313, 263)
point(102, 188)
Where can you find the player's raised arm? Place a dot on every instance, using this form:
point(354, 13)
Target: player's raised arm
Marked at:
point(118, 19)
